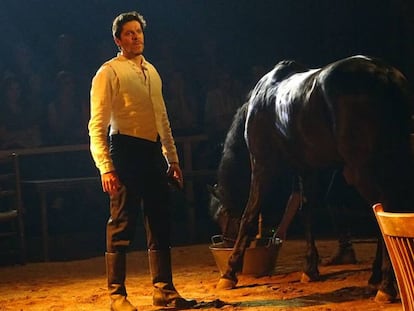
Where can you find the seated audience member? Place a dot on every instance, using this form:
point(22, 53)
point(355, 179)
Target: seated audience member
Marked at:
point(67, 114)
point(221, 105)
point(19, 127)
point(180, 105)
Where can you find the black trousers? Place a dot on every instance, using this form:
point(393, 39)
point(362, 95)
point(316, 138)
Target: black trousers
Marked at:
point(141, 168)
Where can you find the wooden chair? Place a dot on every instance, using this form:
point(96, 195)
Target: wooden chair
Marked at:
point(398, 232)
point(12, 236)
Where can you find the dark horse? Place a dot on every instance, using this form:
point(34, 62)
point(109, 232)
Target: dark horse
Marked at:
point(353, 114)
point(229, 197)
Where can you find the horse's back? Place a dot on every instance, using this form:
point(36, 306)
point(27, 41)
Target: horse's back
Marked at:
point(287, 114)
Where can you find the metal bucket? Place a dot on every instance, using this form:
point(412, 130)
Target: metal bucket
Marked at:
point(259, 258)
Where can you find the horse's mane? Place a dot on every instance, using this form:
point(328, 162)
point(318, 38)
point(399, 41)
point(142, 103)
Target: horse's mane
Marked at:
point(233, 174)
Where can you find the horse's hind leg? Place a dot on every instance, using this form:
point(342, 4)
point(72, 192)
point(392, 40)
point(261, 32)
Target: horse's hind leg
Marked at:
point(310, 270)
point(345, 252)
point(374, 280)
point(387, 291)
point(339, 198)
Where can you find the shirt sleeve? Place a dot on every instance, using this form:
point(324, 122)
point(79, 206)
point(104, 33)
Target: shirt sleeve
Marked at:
point(163, 124)
point(167, 140)
point(104, 85)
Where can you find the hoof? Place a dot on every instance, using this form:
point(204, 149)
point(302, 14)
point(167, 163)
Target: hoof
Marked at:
point(343, 257)
point(306, 278)
point(224, 283)
point(375, 280)
point(383, 297)
point(374, 285)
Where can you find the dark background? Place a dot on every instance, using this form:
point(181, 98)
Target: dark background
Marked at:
point(246, 31)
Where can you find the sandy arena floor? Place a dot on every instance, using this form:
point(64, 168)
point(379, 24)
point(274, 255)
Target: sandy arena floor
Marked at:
point(81, 285)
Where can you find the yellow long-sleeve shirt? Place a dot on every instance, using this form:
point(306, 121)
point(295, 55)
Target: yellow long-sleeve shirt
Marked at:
point(127, 100)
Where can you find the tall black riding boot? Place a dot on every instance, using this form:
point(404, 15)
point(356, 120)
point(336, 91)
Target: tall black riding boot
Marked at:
point(115, 270)
point(165, 293)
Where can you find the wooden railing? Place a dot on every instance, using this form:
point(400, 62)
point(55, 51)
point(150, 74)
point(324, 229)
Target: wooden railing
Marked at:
point(185, 144)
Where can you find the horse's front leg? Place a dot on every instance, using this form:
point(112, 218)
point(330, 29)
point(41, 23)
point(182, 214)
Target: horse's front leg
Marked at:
point(310, 269)
point(235, 263)
point(246, 231)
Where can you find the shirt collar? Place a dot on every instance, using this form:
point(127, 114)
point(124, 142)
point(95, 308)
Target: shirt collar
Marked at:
point(144, 63)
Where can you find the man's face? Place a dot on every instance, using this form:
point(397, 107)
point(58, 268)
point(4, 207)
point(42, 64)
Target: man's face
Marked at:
point(131, 40)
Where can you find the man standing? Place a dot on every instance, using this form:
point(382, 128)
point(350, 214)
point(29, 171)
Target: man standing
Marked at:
point(126, 97)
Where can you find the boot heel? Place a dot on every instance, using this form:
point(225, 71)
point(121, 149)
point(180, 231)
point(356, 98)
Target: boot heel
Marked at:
point(165, 293)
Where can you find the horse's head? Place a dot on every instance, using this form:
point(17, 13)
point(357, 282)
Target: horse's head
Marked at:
point(228, 223)
point(215, 204)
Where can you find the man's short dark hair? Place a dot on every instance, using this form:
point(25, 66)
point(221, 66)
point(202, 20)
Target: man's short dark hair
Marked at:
point(124, 18)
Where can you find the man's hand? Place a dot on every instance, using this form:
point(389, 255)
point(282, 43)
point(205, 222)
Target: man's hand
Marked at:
point(110, 182)
point(175, 172)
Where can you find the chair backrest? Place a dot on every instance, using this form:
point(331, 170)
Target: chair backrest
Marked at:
point(12, 233)
point(398, 232)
